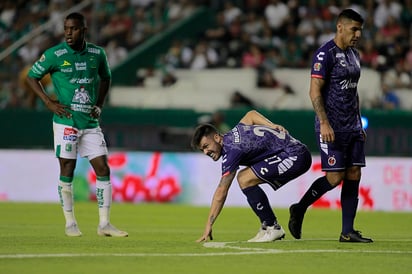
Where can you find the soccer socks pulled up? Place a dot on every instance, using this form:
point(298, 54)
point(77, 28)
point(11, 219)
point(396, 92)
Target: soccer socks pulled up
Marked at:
point(66, 199)
point(316, 190)
point(104, 199)
point(349, 203)
point(259, 202)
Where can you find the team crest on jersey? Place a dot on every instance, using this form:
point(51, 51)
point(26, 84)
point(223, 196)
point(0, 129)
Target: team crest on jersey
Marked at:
point(317, 66)
point(331, 161)
point(81, 95)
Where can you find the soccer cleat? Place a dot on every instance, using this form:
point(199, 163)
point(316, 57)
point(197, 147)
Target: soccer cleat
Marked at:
point(259, 235)
point(270, 234)
point(73, 230)
point(110, 231)
point(354, 237)
point(295, 221)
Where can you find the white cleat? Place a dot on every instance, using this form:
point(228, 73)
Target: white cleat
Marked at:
point(258, 236)
point(73, 230)
point(111, 231)
point(270, 234)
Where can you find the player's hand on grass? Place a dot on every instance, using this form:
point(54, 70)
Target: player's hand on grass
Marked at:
point(206, 235)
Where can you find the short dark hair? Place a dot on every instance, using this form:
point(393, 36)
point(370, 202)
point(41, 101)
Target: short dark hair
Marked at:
point(201, 131)
point(350, 14)
point(77, 16)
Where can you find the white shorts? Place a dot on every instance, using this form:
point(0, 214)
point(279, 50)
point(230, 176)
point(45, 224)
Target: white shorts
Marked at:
point(68, 141)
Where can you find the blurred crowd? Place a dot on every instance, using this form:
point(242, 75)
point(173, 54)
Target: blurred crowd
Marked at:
point(260, 34)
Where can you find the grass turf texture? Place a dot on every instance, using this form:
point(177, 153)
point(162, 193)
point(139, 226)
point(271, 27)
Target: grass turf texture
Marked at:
point(162, 240)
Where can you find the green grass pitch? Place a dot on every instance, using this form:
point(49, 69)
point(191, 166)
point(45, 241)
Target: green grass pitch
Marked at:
point(162, 240)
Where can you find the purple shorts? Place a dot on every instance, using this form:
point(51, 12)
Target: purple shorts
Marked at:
point(347, 150)
point(281, 168)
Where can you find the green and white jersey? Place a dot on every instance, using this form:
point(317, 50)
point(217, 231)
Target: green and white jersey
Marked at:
point(75, 76)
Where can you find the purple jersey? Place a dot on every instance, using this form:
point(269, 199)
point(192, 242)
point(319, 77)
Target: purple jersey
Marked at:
point(246, 145)
point(340, 69)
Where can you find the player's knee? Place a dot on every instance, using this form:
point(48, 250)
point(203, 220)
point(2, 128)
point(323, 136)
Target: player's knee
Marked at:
point(67, 167)
point(245, 179)
point(335, 178)
point(353, 173)
point(100, 166)
point(102, 170)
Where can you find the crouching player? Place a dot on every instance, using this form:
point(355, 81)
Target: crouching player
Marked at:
point(269, 155)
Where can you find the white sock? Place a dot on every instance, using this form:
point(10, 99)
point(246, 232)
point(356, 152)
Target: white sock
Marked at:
point(66, 201)
point(104, 200)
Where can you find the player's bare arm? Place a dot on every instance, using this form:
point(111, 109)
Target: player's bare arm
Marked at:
point(253, 117)
point(103, 91)
point(218, 202)
point(315, 94)
point(52, 105)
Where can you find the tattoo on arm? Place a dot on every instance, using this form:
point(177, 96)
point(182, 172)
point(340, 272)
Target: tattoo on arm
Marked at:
point(212, 219)
point(319, 108)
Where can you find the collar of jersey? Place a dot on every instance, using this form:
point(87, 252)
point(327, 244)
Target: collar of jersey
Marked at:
point(75, 51)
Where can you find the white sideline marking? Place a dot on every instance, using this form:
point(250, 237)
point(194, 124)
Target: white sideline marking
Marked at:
point(216, 245)
point(254, 250)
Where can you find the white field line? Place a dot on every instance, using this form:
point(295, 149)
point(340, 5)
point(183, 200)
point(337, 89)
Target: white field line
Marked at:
point(216, 245)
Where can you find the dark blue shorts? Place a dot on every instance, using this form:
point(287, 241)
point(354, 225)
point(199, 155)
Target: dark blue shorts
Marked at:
point(281, 168)
point(347, 150)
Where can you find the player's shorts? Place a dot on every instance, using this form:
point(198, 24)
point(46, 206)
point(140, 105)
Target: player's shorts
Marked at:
point(70, 141)
point(347, 150)
point(281, 168)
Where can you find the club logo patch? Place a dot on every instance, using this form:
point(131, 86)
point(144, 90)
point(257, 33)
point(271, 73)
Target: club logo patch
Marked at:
point(331, 161)
point(317, 66)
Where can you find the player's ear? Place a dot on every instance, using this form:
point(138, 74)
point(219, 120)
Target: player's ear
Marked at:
point(216, 137)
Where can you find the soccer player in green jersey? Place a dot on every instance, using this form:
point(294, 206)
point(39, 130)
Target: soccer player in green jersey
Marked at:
point(81, 79)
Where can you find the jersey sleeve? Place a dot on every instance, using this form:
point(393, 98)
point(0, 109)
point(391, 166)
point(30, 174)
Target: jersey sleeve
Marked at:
point(230, 161)
point(42, 66)
point(320, 64)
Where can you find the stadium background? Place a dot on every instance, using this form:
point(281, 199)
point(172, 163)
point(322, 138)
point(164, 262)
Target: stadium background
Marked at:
point(141, 130)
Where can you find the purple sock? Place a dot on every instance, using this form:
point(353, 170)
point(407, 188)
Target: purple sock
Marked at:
point(349, 203)
point(259, 202)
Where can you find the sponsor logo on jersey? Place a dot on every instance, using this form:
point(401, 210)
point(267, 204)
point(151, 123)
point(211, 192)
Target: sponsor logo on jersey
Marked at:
point(320, 55)
point(67, 70)
point(317, 66)
point(38, 67)
point(340, 55)
point(347, 84)
point(82, 81)
point(60, 52)
point(93, 50)
point(236, 135)
point(65, 63)
point(81, 65)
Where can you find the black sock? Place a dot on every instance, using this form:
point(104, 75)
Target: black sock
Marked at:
point(259, 202)
point(316, 190)
point(349, 203)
